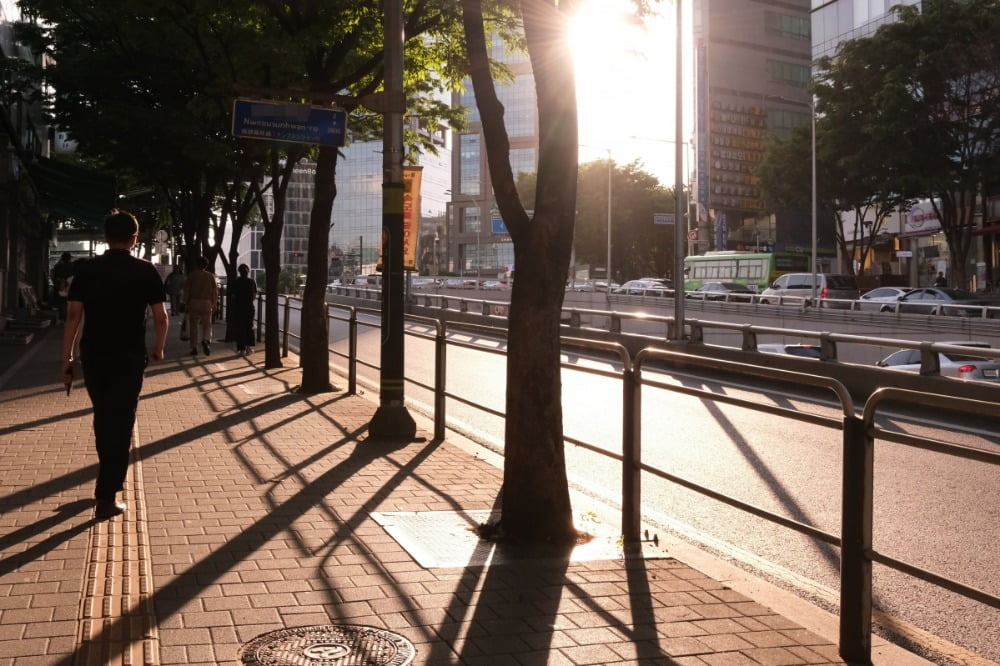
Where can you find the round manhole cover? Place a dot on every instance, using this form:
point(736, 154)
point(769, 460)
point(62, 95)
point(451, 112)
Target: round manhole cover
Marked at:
point(329, 645)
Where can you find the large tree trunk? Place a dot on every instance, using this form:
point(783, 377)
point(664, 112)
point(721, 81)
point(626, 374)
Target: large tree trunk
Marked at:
point(535, 505)
point(315, 328)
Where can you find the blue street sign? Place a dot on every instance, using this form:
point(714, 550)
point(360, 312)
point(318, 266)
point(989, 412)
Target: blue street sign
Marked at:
point(663, 218)
point(498, 228)
point(296, 123)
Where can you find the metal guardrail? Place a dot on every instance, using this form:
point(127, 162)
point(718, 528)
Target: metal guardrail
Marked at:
point(858, 436)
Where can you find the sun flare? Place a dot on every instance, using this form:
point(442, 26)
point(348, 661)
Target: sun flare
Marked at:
point(624, 84)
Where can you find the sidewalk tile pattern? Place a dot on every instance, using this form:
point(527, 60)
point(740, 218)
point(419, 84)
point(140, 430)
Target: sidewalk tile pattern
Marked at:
point(251, 510)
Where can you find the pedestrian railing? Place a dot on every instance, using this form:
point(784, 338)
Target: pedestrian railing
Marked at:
point(857, 437)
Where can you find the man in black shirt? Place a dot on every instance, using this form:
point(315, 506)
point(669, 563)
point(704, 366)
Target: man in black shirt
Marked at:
point(113, 292)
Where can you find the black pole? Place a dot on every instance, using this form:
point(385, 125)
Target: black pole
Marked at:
point(392, 419)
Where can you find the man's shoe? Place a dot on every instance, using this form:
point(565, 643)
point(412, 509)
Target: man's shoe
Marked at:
point(109, 509)
point(194, 351)
point(204, 345)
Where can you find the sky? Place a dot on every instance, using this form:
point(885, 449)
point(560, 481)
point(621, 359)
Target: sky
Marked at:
point(625, 85)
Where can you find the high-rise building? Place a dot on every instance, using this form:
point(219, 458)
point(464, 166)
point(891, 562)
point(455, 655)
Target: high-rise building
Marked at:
point(836, 21)
point(478, 241)
point(752, 69)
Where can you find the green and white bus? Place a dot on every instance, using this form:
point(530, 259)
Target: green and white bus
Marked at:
point(757, 270)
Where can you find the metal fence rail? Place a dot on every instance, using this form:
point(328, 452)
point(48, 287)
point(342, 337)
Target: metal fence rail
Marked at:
point(858, 435)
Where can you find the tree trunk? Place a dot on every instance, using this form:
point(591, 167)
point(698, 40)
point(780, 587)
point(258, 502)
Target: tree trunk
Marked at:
point(315, 328)
point(270, 252)
point(535, 506)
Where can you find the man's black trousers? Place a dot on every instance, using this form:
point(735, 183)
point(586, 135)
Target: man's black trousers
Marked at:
point(113, 385)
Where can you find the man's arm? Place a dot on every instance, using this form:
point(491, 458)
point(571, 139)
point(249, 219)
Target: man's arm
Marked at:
point(160, 323)
point(74, 317)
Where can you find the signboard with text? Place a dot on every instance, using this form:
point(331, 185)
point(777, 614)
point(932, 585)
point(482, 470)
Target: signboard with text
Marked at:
point(295, 123)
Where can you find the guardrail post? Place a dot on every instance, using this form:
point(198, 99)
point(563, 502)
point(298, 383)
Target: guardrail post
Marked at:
point(440, 378)
point(574, 319)
point(615, 325)
point(352, 352)
point(856, 544)
point(827, 347)
point(749, 338)
point(631, 455)
point(486, 309)
point(287, 320)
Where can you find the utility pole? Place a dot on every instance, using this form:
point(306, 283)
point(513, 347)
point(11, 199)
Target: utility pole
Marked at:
point(391, 419)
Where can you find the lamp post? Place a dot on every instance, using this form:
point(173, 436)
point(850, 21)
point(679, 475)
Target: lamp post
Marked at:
point(607, 271)
point(812, 119)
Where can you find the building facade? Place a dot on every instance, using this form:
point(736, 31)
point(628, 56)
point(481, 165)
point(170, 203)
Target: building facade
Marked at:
point(478, 243)
point(752, 69)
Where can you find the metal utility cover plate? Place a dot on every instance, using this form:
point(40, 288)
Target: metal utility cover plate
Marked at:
point(329, 645)
point(447, 539)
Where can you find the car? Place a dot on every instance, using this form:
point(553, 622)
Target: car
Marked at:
point(580, 285)
point(798, 349)
point(493, 285)
point(837, 290)
point(645, 287)
point(882, 299)
point(943, 301)
point(952, 364)
point(721, 291)
point(460, 283)
point(423, 282)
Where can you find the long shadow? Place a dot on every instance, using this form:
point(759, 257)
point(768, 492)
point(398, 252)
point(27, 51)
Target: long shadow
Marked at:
point(37, 551)
point(89, 473)
point(171, 598)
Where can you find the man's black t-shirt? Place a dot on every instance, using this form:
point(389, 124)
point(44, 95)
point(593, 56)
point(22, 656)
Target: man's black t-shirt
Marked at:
point(115, 290)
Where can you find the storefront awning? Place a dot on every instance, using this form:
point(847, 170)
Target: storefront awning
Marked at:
point(77, 194)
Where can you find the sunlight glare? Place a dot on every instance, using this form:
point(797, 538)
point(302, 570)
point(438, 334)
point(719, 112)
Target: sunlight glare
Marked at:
point(624, 79)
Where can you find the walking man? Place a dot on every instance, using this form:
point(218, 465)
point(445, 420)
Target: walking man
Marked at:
point(202, 295)
point(113, 292)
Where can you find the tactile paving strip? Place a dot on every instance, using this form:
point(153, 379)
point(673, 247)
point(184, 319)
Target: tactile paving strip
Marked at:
point(117, 622)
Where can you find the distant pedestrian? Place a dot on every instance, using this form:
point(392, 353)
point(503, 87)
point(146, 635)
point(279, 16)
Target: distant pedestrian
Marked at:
point(940, 281)
point(201, 294)
point(62, 275)
point(244, 292)
point(112, 293)
point(175, 289)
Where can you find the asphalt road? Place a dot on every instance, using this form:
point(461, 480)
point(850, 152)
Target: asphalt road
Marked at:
point(931, 510)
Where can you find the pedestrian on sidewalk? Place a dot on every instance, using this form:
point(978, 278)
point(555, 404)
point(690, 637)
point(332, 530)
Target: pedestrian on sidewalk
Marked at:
point(112, 292)
point(175, 287)
point(244, 292)
point(202, 296)
point(62, 275)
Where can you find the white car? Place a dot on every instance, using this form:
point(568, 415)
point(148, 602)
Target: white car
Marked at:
point(953, 364)
point(805, 351)
point(882, 299)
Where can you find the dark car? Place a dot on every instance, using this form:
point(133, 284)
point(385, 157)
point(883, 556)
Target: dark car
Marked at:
point(721, 291)
point(944, 301)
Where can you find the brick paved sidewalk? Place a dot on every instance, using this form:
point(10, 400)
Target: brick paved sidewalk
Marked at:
point(253, 509)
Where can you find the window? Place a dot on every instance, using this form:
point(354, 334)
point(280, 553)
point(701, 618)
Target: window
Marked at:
point(792, 27)
point(788, 73)
point(470, 220)
point(519, 105)
point(469, 168)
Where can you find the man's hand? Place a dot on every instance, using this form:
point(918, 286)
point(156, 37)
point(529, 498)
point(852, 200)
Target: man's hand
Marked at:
point(67, 375)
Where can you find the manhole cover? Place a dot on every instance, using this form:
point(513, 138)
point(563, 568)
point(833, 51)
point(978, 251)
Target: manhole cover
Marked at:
point(329, 645)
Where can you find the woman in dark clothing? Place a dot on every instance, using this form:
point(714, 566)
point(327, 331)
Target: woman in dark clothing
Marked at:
point(244, 292)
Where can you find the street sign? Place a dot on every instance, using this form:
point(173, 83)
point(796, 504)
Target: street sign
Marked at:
point(663, 218)
point(295, 123)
